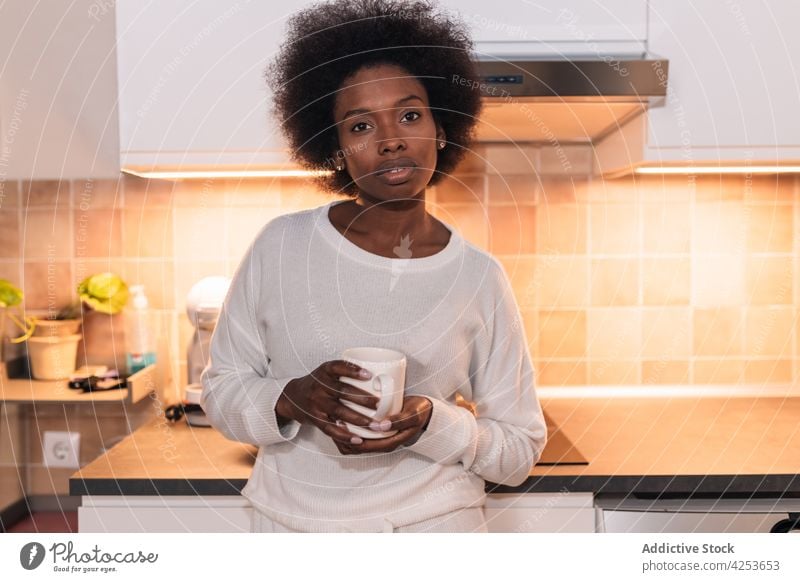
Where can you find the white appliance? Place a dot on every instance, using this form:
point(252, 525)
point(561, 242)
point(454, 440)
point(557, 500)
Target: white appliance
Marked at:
point(755, 515)
point(203, 305)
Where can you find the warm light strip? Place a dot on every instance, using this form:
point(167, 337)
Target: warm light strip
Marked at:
point(717, 169)
point(200, 174)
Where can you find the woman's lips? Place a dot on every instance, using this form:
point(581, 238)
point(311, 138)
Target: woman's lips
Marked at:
point(396, 175)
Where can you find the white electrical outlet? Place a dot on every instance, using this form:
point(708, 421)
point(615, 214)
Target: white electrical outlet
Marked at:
point(62, 449)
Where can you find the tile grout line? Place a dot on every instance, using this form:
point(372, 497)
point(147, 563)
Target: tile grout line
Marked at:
point(692, 282)
point(588, 273)
point(640, 282)
point(533, 350)
point(175, 364)
point(71, 219)
point(123, 230)
point(793, 333)
point(20, 237)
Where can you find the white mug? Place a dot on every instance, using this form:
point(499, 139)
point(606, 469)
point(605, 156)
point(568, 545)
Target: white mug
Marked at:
point(388, 382)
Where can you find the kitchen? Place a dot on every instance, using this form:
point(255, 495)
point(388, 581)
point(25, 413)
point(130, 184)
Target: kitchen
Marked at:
point(648, 228)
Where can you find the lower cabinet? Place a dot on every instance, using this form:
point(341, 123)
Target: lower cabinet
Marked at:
point(560, 512)
point(168, 514)
point(507, 513)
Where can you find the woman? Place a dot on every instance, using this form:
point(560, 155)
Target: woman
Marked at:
point(371, 90)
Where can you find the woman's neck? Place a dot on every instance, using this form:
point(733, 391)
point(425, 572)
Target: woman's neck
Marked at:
point(390, 228)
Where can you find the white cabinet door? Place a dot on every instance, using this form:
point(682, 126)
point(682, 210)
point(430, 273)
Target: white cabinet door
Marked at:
point(191, 79)
point(558, 512)
point(733, 75)
point(58, 95)
point(166, 514)
point(567, 26)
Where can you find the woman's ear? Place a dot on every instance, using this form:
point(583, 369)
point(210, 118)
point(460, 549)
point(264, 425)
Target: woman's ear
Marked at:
point(441, 138)
point(337, 160)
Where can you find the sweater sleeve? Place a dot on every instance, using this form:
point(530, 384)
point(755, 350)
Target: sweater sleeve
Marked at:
point(239, 392)
point(505, 438)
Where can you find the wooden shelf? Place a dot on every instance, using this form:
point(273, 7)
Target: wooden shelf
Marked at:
point(24, 390)
point(53, 391)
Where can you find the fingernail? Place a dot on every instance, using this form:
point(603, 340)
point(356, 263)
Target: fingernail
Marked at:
point(356, 440)
point(366, 374)
point(383, 425)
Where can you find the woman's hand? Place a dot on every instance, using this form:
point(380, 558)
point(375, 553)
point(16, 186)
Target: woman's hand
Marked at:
point(314, 399)
point(409, 422)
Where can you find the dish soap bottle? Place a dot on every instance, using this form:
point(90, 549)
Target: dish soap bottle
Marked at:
point(139, 338)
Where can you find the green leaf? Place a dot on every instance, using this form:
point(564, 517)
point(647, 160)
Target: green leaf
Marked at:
point(104, 292)
point(10, 295)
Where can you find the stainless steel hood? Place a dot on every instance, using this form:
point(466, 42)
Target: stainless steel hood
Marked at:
point(566, 100)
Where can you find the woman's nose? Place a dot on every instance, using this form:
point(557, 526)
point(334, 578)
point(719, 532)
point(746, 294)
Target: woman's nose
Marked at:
point(390, 144)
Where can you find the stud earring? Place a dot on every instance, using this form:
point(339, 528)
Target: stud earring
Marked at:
point(441, 145)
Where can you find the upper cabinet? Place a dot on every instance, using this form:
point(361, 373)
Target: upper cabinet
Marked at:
point(734, 79)
point(192, 84)
point(733, 93)
point(566, 27)
point(58, 91)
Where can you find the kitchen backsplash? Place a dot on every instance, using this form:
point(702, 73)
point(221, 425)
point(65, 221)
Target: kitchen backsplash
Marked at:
point(637, 280)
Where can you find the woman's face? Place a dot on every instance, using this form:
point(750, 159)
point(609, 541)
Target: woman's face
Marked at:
point(383, 121)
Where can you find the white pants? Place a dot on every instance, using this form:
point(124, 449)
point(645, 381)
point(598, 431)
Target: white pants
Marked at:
point(468, 520)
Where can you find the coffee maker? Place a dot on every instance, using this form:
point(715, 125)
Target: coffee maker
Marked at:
point(203, 305)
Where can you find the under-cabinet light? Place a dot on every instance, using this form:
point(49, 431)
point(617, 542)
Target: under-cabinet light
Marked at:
point(205, 174)
point(744, 169)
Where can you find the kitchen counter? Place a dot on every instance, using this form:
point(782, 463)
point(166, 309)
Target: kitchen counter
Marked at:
point(706, 446)
point(676, 446)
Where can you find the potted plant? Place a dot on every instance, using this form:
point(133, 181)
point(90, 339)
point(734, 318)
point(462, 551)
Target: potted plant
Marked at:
point(53, 348)
point(11, 297)
point(103, 295)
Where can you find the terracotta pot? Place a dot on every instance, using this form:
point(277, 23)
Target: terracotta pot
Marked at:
point(103, 341)
point(53, 358)
point(56, 327)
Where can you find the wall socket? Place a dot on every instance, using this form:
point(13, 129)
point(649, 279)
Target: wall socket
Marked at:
point(62, 449)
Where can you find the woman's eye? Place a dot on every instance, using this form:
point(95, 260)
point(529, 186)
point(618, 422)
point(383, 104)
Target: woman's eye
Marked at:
point(362, 125)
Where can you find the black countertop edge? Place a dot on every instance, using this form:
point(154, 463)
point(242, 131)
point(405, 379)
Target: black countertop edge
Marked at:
point(650, 486)
point(662, 485)
point(156, 486)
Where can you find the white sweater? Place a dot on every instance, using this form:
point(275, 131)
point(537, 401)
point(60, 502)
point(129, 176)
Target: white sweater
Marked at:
point(302, 294)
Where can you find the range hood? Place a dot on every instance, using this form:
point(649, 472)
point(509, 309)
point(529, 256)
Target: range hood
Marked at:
point(576, 100)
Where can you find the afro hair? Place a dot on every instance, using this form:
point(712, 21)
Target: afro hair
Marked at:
point(327, 42)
